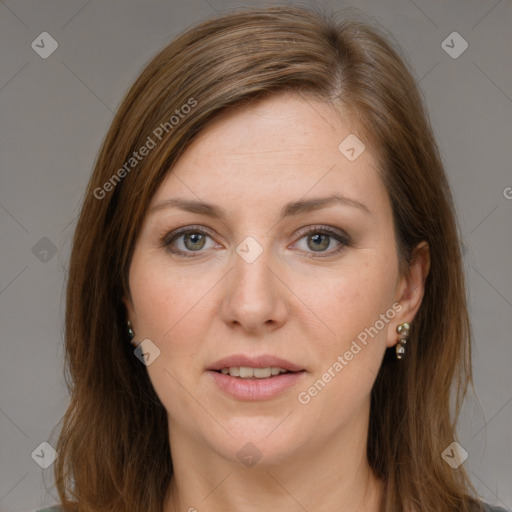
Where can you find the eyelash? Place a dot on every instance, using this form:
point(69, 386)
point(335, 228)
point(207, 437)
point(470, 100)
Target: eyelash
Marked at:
point(167, 240)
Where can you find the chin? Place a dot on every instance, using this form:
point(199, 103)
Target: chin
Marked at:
point(262, 441)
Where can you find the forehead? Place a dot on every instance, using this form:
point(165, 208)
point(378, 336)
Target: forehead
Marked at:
point(274, 150)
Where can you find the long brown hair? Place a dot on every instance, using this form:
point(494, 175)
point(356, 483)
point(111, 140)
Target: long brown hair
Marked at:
point(113, 445)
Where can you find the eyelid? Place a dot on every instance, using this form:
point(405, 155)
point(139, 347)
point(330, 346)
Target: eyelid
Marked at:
point(169, 237)
point(322, 228)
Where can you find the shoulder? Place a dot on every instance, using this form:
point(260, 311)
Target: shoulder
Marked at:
point(491, 508)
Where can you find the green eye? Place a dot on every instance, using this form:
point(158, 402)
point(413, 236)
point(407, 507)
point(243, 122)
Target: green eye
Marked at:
point(318, 239)
point(191, 240)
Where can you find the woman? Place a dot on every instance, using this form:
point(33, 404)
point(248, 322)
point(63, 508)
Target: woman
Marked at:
point(270, 225)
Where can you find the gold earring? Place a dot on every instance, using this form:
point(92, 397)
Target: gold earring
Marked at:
point(403, 334)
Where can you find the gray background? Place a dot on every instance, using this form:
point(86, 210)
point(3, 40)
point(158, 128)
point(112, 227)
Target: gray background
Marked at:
point(55, 112)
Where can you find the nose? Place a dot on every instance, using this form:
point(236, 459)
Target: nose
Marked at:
point(255, 297)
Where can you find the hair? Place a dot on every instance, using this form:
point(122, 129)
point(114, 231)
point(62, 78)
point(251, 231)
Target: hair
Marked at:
point(114, 434)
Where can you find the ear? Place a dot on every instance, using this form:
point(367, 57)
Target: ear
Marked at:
point(410, 290)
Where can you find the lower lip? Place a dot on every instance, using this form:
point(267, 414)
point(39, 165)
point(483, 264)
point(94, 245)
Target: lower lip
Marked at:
point(256, 389)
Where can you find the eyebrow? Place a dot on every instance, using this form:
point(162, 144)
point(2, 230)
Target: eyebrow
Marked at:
point(289, 209)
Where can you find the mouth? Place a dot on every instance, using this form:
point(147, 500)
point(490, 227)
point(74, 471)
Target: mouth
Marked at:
point(255, 378)
point(261, 366)
point(246, 372)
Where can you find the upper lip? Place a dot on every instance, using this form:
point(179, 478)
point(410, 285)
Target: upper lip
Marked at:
point(261, 361)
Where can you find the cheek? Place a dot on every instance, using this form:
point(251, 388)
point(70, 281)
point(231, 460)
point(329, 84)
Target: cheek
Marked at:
point(164, 296)
point(348, 301)
point(357, 308)
point(168, 307)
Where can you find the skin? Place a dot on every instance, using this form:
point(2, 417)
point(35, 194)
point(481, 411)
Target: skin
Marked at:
point(287, 303)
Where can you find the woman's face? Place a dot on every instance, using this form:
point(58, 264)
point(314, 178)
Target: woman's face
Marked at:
point(251, 287)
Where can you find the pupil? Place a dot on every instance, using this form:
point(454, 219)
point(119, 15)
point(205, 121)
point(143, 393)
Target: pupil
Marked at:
point(195, 238)
point(316, 238)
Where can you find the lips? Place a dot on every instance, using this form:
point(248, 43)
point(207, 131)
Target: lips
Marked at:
point(261, 361)
point(259, 386)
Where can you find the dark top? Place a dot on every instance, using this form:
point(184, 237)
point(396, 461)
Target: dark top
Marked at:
point(487, 507)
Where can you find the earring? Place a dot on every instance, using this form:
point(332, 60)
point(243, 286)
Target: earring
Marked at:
point(131, 334)
point(403, 334)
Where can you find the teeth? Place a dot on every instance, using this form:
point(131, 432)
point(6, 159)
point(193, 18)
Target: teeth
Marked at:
point(262, 373)
point(245, 372)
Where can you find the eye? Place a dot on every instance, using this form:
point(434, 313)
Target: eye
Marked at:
point(190, 241)
point(186, 241)
point(319, 238)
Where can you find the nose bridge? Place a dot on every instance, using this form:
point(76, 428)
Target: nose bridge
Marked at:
point(252, 263)
point(252, 273)
point(254, 296)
